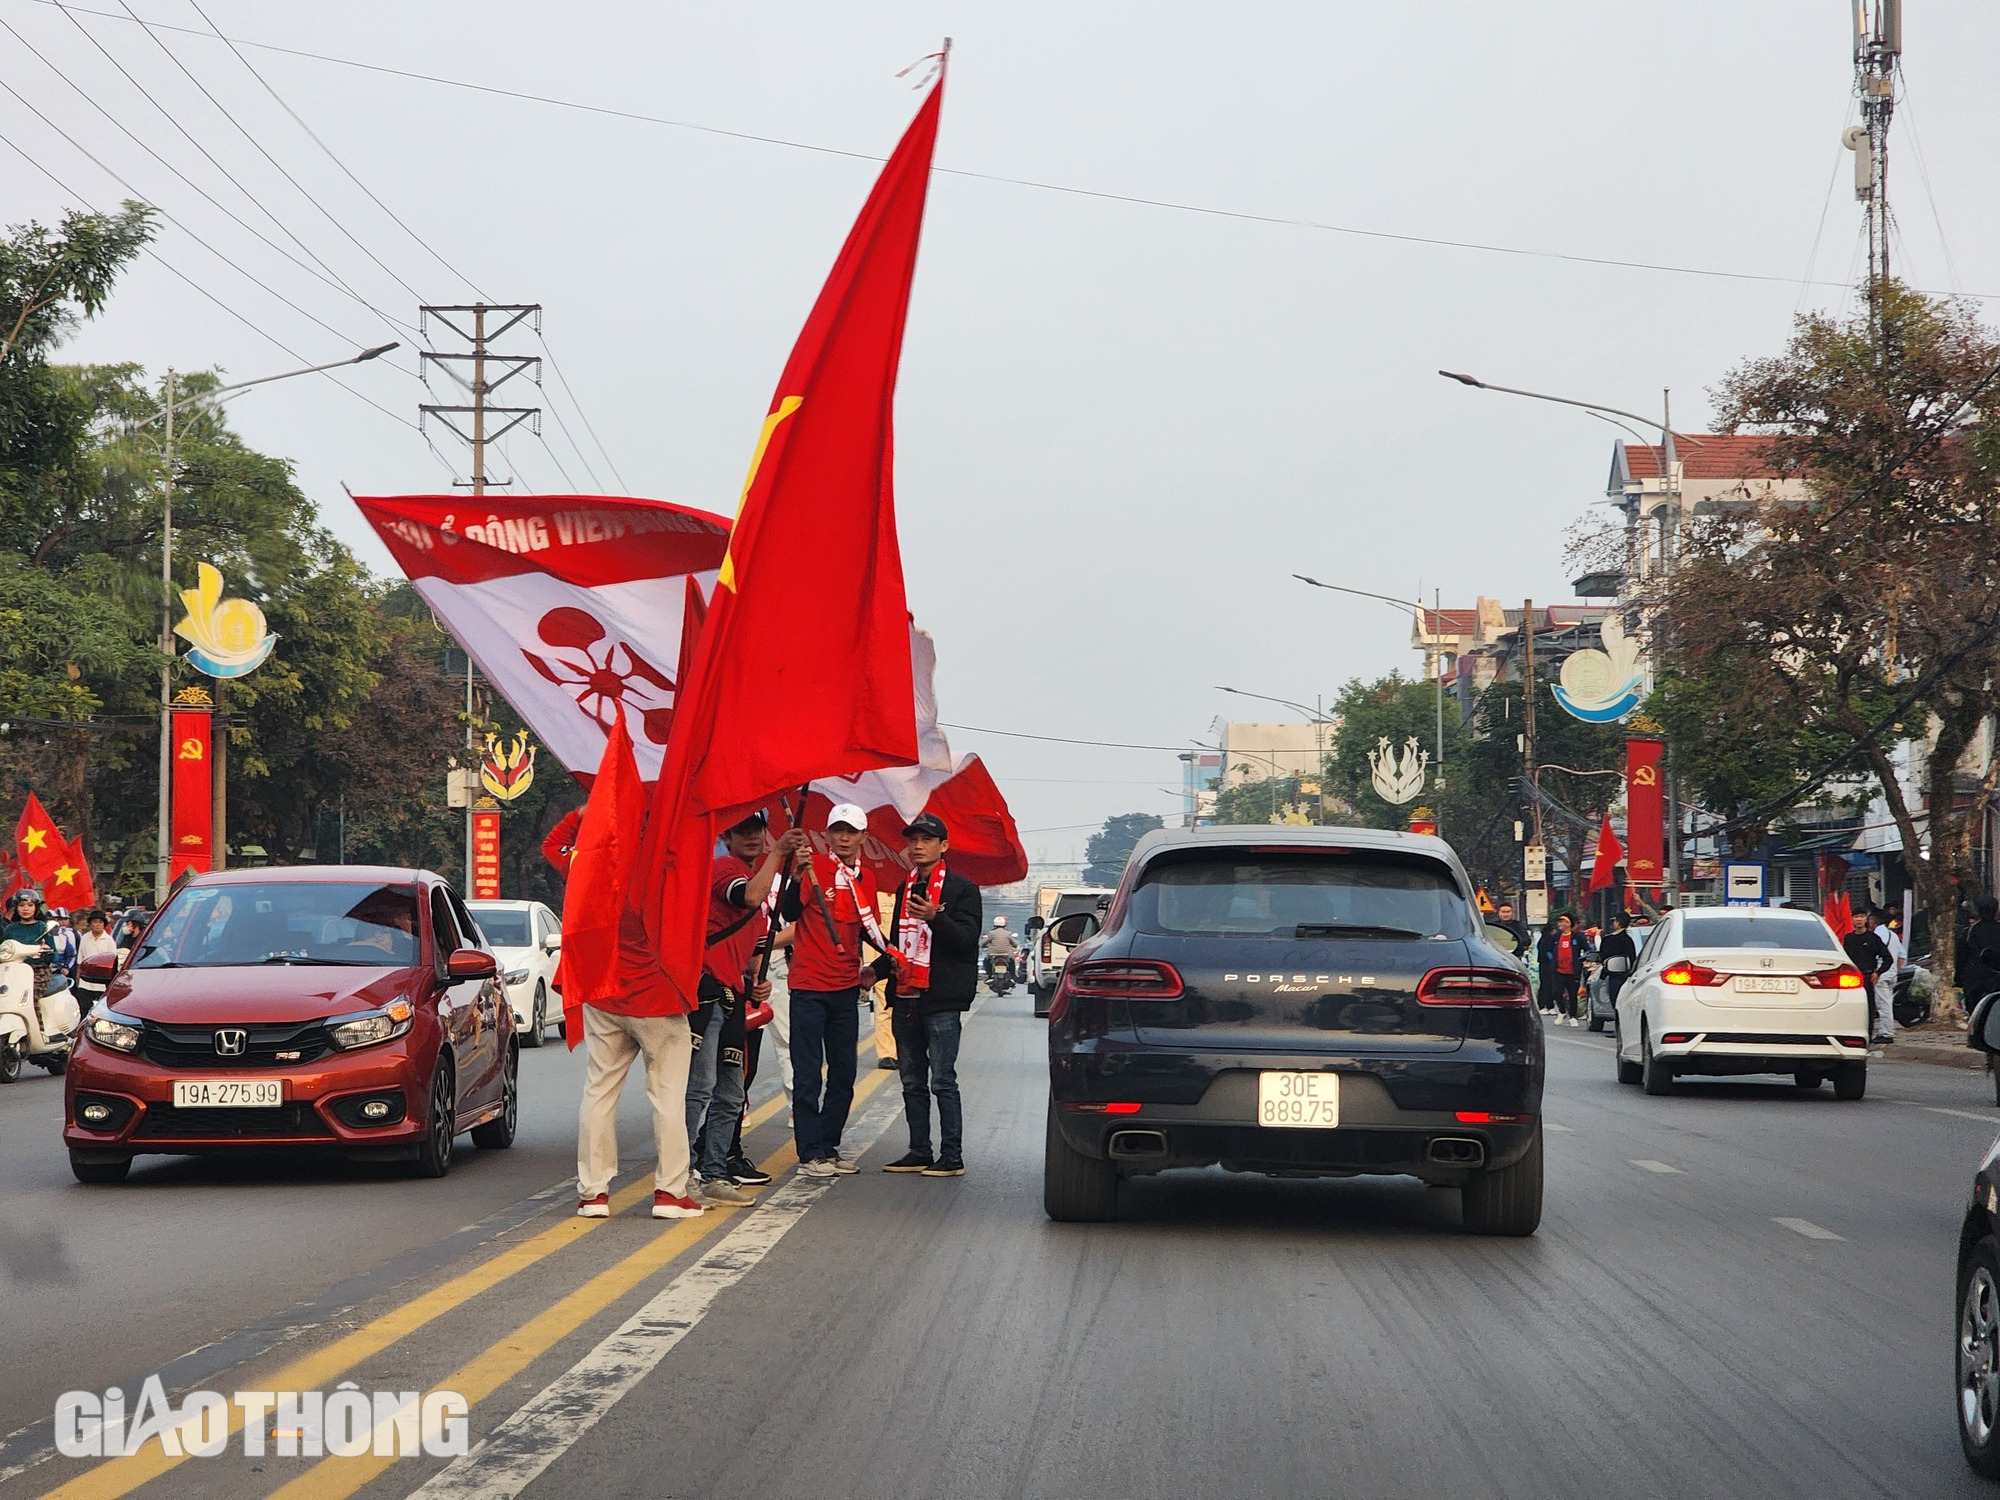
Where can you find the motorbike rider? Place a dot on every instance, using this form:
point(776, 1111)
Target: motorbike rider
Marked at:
point(28, 924)
point(999, 946)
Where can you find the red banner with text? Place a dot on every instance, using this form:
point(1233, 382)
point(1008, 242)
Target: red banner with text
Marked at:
point(193, 825)
point(486, 856)
point(1645, 811)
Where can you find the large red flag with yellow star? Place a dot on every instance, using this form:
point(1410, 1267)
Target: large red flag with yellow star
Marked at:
point(38, 847)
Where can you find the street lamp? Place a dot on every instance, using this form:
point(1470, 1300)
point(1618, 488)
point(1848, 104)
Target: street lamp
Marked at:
point(1669, 527)
point(166, 414)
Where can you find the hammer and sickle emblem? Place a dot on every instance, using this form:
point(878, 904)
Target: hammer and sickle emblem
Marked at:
point(190, 749)
point(1646, 776)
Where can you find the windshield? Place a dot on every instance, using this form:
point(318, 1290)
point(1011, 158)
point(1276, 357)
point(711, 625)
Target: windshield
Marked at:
point(303, 922)
point(1758, 932)
point(504, 928)
point(1076, 901)
point(1303, 896)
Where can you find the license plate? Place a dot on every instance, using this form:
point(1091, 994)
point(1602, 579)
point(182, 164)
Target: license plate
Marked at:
point(1299, 1101)
point(228, 1093)
point(1766, 984)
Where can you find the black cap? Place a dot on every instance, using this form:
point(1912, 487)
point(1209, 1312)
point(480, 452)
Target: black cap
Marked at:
point(757, 822)
point(929, 823)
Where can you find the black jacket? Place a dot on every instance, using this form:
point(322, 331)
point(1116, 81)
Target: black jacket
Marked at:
point(955, 934)
point(1979, 961)
point(1867, 952)
point(1619, 945)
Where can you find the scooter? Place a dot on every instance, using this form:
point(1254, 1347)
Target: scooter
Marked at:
point(999, 974)
point(42, 1032)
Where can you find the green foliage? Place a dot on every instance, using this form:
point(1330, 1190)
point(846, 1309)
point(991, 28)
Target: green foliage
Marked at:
point(1111, 846)
point(1398, 709)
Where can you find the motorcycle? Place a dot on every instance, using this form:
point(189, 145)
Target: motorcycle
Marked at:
point(41, 1031)
point(999, 973)
point(1912, 1002)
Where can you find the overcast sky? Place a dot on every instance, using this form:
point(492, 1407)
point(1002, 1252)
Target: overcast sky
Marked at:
point(1122, 426)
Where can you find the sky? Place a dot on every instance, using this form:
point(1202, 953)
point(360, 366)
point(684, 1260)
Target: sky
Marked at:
point(1175, 329)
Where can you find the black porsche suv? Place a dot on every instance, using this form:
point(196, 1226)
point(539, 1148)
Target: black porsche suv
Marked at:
point(1297, 1002)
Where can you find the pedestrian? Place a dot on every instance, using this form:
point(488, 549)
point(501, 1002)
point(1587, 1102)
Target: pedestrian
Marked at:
point(1618, 954)
point(932, 977)
point(1503, 916)
point(1868, 953)
point(1885, 987)
point(742, 890)
point(1562, 954)
point(761, 1020)
point(130, 925)
point(833, 903)
point(1977, 971)
point(62, 938)
point(95, 942)
point(878, 999)
point(646, 1018)
point(1000, 950)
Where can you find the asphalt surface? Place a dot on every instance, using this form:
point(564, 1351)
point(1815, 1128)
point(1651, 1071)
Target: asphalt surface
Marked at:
point(1740, 1290)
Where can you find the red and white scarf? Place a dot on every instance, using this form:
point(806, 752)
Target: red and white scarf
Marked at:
point(848, 904)
point(913, 935)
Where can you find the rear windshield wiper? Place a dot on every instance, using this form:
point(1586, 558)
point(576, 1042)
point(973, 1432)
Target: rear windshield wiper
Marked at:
point(1353, 929)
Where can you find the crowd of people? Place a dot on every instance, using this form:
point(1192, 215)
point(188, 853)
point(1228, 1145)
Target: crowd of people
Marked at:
point(914, 954)
point(60, 940)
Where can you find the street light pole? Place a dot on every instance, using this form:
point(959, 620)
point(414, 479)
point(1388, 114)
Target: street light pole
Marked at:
point(166, 416)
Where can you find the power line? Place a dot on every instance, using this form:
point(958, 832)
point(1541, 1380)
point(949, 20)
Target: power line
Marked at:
point(1055, 739)
point(1168, 204)
point(582, 415)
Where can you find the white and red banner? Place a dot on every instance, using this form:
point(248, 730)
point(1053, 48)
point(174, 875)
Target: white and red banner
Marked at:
point(572, 605)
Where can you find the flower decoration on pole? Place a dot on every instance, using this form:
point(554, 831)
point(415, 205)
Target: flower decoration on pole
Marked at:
point(1398, 775)
point(226, 637)
point(1601, 687)
point(509, 767)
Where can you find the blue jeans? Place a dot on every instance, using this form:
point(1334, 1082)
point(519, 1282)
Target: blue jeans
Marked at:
point(714, 1101)
point(927, 1058)
point(826, 1030)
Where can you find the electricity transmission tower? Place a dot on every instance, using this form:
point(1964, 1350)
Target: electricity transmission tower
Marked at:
point(480, 324)
point(1878, 52)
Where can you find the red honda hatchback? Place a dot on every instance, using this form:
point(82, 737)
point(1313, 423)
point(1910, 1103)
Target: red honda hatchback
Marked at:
point(339, 1006)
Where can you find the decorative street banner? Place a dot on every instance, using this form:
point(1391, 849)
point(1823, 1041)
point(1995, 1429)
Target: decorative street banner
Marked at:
point(193, 823)
point(1603, 686)
point(1645, 810)
point(1398, 775)
point(486, 854)
point(509, 767)
point(226, 637)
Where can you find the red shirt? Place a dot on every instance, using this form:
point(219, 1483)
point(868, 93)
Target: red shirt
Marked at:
point(727, 959)
point(1565, 955)
point(643, 987)
point(816, 964)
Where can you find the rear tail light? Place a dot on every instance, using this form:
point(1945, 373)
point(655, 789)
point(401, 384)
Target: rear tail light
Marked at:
point(1472, 987)
point(1122, 1108)
point(1677, 1038)
point(1124, 979)
point(1687, 972)
point(1846, 977)
point(1486, 1117)
point(1048, 949)
point(1851, 1041)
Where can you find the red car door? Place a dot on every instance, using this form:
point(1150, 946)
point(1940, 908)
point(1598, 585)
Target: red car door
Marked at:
point(465, 1012)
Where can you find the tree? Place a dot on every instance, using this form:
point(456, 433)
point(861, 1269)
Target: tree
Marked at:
point(1111, 846)
point(47, 278)
point(1871, 610)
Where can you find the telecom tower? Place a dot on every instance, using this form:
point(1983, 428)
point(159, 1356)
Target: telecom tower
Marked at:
point(1878, 51)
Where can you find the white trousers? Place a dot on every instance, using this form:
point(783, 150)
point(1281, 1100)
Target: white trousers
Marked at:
point(780, 1031)
point(611, 1044)
point(1885, 998)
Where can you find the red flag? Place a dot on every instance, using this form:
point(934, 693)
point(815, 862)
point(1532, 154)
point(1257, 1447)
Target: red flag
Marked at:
point(37, 844)
point(803, 669)
point(1604, 866)
point(600, 878)
point(70, 884)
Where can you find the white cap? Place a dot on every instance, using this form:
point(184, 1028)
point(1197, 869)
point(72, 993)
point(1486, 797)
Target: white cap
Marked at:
point(850, 815)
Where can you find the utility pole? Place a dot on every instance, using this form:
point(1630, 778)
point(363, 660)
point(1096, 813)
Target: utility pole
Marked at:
point(166, 650)
point(1535, 880)
point(1878, 51)
point(480, 335)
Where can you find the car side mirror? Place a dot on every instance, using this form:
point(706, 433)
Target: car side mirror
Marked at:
point(552, 943)
point(97, 970)
point(471, 963)
point(1073, 929)
point(1503, 938)
point(1035, 925)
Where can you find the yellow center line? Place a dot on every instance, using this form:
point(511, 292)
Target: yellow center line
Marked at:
point(320, 1369)
point(489, 1370)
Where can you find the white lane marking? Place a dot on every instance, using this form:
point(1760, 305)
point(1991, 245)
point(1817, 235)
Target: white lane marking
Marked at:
point(1658, 1166)
point(1558, 1129)
point(522, 1447)
point(1570, 1041)
point(1960, 1114)
point(1807, 1228)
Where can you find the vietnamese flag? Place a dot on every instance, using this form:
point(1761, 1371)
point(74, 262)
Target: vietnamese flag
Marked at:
point(70, 884)
point(602, 860)
point(1604, 867)
point(803, 668)
point(37, 845)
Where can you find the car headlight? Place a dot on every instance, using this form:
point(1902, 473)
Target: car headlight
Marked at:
point(371, 1027)
point(517, 976)
point(110, 1030)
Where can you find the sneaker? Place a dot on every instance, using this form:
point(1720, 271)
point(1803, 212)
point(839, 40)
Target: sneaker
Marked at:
point(722, 1190)
point(594, 1208)
point(916, 1161)
point(667, 1206)
point(842, 1165)
point(743, 1172)
point(818, 1167)
point(945, 1166)
point(886, 1062)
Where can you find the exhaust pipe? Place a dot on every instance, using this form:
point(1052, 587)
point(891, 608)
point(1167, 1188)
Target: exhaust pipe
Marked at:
point(1457, 1151)
point(1138, 1143)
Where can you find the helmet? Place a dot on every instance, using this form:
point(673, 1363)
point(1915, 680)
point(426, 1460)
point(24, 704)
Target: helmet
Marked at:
point(999, 921)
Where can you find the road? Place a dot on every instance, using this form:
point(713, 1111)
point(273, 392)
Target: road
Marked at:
point(1736, 1291)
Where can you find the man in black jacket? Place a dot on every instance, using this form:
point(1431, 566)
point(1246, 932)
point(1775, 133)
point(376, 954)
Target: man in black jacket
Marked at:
point(932, 975)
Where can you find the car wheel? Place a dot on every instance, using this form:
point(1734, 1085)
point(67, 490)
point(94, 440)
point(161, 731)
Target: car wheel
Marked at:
point(1655, 1073)
point(1979, 1359)
point(441, 1122)
point(1076, 1189)
point(1043, 997)
point(99, 1169)
point(1628, 1072)
point(1506, 1200)
point(1808, 1080)
point(538, 1027)
point(497, 1134)
point(1850, 1080)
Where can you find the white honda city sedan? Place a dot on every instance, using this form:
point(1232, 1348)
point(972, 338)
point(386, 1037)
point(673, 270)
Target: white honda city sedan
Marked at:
point(1724, 991)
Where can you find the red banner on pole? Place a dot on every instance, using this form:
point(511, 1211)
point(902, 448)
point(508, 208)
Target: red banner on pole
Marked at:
point(193, 827)
point(1645, 811)
point(486, 856)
